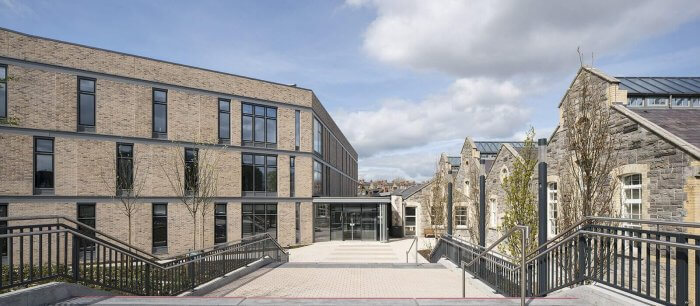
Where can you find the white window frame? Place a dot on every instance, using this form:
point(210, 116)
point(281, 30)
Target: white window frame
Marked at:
point(461, 213)
point(626, 203)
point(552, 209)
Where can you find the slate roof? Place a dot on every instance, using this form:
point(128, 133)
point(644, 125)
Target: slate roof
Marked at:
point(488, 164)
point(660, 85)
point(454, 161)
point(684, 123)
point(492, 147)
point(412, 190)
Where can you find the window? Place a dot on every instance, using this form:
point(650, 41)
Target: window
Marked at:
point(160, 113)
point(297, 221)
point(681, 102)
point(220, 223)
point(86, 215)
point(552, 212)
point(632, 196)
point(125, 167)
point(410, 216)
point(160, 227)
point(86, 104)
point(43, 165)
point(504, 174)
point(318, 179)
point(259, 175)
point(224, 121)
point(493, 213)
point(3, 91)
point(460, 215)
point(191, 170)
point(3, 229)
point(259, 125)
point(292, 160)
point(656, 101)
point(318, 138)
point(635, 101)
point(259, 219)
point(695, 102)
point(297, 129)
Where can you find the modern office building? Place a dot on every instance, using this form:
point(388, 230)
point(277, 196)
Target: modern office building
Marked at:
point(84, 130)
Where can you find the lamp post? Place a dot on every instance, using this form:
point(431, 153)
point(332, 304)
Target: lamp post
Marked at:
point(542, 211)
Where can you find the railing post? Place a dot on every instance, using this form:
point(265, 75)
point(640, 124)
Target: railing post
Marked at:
point(682, 273)
point(75, 261)
point(582, 258)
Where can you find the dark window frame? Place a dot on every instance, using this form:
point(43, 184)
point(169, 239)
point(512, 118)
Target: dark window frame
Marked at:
point(252, 142)
point(44, 190)
point(292, 172)
point(224, 140)
point(265, 214)
point(4, 212)
point(317, 130)
point(81, 126)
point(217, 216)
point(162, 135)
point(4, 82)
point(297, 129)
point(86, 245)
point(117, 168)
point(317, 190)
point(159, 246)
point(254, 165)
point(191, 187)
point(297, 222)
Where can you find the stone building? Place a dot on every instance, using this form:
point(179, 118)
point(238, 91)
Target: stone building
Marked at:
point(76, 121)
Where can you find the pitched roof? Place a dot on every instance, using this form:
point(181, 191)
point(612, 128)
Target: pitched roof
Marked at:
point(488, 163)
point(684, 123)
point(660, 85)
point(492, 147)
point(412, 190)
point(454, 161)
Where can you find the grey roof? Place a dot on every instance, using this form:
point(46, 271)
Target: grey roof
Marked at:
point(684, 123)
point(455, 161)
point(660, 85)
point(492, 147)
point(488, 164)
point(412, 190)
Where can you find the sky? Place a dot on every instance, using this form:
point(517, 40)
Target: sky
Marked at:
point(404, 79)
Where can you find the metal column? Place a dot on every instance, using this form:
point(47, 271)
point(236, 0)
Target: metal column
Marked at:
point(449, 208)
point(482, 205)
point(542, 212)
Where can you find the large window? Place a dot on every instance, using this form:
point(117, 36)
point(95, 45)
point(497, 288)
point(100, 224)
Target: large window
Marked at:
point(259, 218)
point(318, 137)
point(125, 167)
point(259, 125)
point(3, 91)
point(86, 104)
point(632, 196)
point(318, 179)
point(460, 215)
point(220, 223)
point(160, 227)
point(43, 165)
point(224, 121)
point(297, 129)
point(292, 170)
point(191, 170)
point(160, 113)
point(259, 175)
point(552, 209)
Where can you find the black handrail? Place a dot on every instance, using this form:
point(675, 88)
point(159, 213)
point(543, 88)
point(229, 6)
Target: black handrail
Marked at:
point(37, 253)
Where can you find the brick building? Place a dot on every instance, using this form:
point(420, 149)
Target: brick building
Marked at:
point(76, 122)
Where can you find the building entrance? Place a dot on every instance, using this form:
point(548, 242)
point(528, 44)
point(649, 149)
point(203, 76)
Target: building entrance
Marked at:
point(346, 222)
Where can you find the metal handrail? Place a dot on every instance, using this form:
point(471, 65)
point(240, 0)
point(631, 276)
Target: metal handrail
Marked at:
point(523, 244)
point(415, 241)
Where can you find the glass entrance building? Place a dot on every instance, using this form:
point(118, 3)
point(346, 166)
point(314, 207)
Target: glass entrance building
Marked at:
point(344, 219)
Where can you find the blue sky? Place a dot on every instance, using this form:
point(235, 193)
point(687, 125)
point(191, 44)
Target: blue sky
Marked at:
point(404, 79)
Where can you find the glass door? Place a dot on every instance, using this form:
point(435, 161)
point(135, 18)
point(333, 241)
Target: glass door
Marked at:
point(336, 222)
point(352, 223)
point(369, 222)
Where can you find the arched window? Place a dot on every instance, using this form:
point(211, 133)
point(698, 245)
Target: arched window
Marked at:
point(504, 173)
point(631, 196)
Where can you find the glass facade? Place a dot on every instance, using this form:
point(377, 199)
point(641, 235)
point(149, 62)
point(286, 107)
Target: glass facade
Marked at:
point(346, 222)
point(259, 218)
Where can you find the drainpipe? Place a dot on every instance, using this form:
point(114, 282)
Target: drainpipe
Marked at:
point(542, 211)
point(449, 209)
point(482, 204)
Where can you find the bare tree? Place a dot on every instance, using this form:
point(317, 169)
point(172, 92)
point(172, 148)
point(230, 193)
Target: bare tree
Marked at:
point(587, 178)
point(193, 176)
point(521, 208)
point(126, 185)
point(437, 202)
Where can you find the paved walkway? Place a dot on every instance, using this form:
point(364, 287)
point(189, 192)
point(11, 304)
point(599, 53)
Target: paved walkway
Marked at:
point(357, 252)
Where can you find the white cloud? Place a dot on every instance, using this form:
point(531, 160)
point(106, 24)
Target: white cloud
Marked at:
point(508, 38)
point(470, 106)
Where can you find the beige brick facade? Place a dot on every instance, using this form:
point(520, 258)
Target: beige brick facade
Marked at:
point(42, 96)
